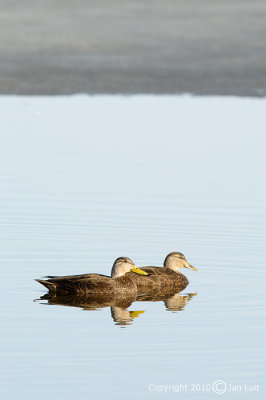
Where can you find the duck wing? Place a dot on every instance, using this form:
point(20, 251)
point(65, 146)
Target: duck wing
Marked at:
point(159, 277)
point(153, 270)
point(79, 283)
point(73, 277)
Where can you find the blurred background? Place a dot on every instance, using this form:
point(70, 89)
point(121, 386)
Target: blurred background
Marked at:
point(124, 46)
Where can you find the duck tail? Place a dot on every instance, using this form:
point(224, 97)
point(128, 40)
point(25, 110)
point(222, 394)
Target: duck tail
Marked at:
point(49, 285)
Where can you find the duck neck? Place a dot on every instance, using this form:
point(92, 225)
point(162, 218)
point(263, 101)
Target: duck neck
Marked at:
point(172, 267)
point(117, 272)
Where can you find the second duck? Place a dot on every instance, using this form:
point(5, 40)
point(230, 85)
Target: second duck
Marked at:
point(167, 277)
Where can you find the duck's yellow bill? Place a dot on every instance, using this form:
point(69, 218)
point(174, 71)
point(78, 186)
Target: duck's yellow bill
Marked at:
point(191, 267)
point(138, 271)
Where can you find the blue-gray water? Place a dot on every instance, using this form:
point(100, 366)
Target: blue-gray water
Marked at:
point(87, 179)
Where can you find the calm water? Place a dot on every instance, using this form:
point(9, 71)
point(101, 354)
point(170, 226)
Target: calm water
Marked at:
point(87, 179)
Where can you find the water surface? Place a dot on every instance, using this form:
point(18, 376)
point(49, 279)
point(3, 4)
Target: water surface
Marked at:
point(87, 179)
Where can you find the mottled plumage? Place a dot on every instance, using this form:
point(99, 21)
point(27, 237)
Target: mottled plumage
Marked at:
point(84, 284)
point(167, 277)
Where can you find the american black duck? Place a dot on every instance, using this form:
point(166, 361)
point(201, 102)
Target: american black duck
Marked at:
point(101, 285)
point(167, 277)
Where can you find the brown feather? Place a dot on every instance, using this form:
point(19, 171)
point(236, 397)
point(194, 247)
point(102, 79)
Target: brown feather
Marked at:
point(158, 277)
point(89, 283)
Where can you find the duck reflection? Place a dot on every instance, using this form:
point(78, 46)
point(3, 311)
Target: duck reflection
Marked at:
point(172, 301)
point(119, 304)
point(121, 316)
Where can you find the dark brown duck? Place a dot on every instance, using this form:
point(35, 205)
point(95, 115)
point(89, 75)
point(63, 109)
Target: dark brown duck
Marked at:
point(118, 283)
point(167, 277)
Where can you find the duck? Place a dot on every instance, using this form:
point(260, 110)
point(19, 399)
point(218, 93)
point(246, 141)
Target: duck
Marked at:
point(96, 284)
point(167, 277)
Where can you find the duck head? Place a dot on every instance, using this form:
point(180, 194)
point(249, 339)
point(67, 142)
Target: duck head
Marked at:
point(177, 260)
point(122, 265)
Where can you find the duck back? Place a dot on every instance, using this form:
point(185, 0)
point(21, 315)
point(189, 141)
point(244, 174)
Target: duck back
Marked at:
point(159, 277)
point(89, 283)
